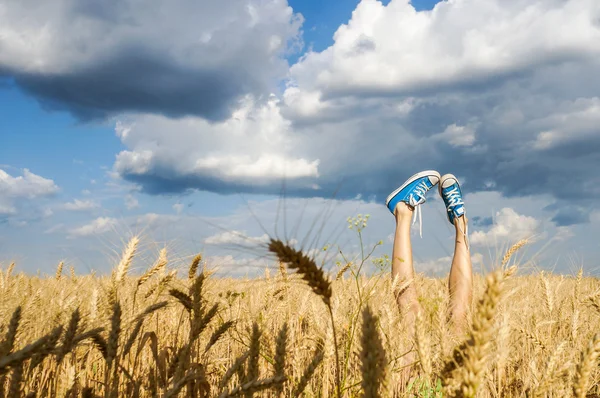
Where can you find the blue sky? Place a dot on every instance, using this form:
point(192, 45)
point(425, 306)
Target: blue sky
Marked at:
point(176, 135)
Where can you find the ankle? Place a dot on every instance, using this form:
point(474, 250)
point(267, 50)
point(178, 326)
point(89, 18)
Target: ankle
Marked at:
point(403, 211)
point(460, 223)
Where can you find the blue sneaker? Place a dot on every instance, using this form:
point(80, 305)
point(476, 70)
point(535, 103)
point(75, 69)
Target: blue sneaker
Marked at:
point(413, 192)
point(452, 196)
point(455, 206)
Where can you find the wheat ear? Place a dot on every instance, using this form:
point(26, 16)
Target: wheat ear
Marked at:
point(372, 356)
point(513, 249)
point(126, 259)
point(254, 386)
point(25, 353)
point(237, 364)
point(317, 281)
point(59, 270)
point(473, 355)
point(113, 336)
point(254, 350)
point(309, 372)
point(305, 266)
point(11, 334)
point(183, 298)
point(280, 355)
point(194, 266)
point(16, 381)
point(10, 270)
point(217, 334)
point(342, 271)
point(69, 337)
point(587, 362)
point(160, 264)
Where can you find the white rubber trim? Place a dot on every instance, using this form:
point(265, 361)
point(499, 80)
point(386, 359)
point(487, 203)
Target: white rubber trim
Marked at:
point(445, 178)
point(411, 179)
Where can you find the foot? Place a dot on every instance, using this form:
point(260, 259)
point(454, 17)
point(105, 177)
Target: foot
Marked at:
point(413, 191)
point(452, 196)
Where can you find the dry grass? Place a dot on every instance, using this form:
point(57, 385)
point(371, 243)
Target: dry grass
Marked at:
point(168, 334)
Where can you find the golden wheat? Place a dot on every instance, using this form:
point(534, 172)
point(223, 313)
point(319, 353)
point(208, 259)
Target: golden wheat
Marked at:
point(200, 336)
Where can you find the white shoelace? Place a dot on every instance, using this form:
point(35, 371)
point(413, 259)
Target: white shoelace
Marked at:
point(455, 199)
point(421, 189)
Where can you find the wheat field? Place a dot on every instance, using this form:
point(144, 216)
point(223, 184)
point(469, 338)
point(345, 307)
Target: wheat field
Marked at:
point(296, 331)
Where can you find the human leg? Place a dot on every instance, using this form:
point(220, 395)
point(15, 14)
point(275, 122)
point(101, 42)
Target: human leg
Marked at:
point(460, 281)
point(403, 203)
point(402, 264)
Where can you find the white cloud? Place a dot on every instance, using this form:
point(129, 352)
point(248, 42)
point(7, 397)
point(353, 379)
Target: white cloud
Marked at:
point(437, 266)
point(178, 207)
point(7, 210)
point(55, 228)
point(255, 146)
point(29, 186)
point(131, 202)
point(391, 48)
point(154, 220)
point(98, 226)
point(235, 238)
point(80, 205)
point(229, 265)
point(563, 233)
point(509, 226)
point(575, 120)
point(458, 136)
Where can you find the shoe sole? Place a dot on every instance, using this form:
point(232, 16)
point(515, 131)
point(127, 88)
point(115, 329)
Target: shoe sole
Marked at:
point(444, 178)
point(411, 179)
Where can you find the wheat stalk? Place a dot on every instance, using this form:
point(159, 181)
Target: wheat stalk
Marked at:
point(423, 345)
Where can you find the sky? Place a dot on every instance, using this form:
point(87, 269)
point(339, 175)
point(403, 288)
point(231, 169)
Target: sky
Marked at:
point(211, 126)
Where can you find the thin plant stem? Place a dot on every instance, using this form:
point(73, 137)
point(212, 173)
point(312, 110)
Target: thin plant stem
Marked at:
point(337, 355)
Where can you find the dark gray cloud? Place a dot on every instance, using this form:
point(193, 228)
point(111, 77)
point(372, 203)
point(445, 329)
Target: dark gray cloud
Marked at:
point(176, 58)
point(482, 221)
point(571, 215)
point(141, 83)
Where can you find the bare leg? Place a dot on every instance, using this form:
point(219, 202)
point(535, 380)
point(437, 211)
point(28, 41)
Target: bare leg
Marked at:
point(460, 283)
point(402, 266)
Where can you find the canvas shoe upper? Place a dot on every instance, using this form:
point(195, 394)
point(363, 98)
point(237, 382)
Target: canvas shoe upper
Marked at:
point(452, 196)
point(413, 193)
